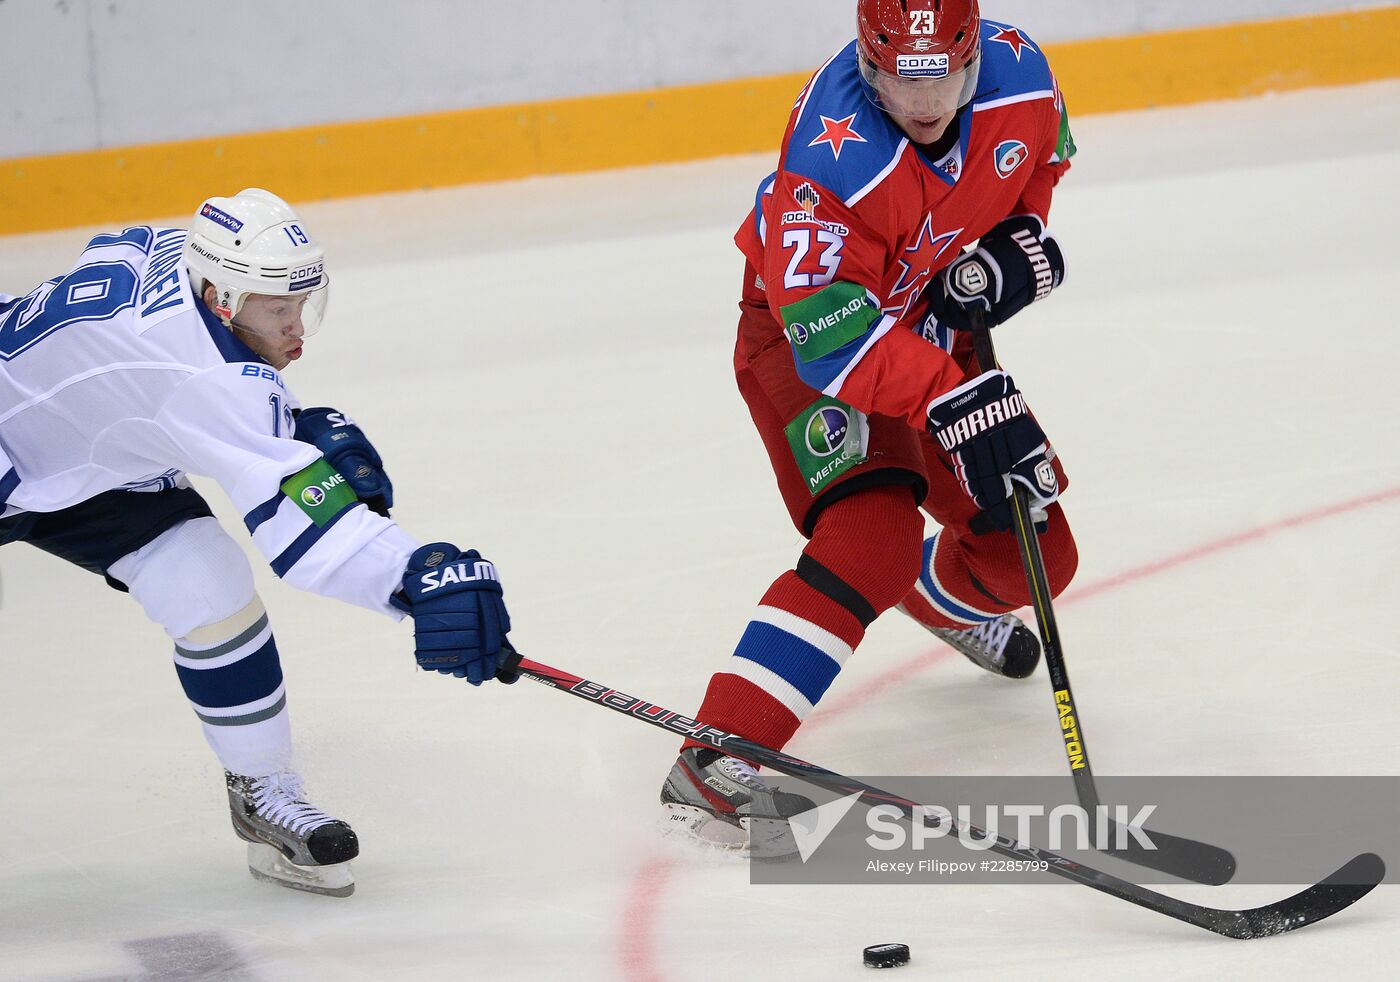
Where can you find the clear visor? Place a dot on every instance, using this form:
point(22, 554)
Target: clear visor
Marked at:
point(925, 89)
point(289, 317)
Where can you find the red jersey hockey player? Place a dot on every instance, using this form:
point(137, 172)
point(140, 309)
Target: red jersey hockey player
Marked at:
point(933, 130)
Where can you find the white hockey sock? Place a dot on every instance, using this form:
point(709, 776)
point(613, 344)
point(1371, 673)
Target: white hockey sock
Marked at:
point(232, 677)
point(195, 582)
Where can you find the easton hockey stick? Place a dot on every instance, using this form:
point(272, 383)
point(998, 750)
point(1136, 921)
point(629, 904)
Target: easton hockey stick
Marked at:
point(1187, 858)
point(1337, 892)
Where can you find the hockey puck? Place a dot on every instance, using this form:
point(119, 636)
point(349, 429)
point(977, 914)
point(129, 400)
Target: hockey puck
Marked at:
point(886, 955)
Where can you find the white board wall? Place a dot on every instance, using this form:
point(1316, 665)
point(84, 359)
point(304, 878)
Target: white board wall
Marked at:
point(84, 74)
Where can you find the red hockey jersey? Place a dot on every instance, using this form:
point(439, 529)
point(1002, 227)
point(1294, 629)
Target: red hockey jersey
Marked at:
point(848, 231)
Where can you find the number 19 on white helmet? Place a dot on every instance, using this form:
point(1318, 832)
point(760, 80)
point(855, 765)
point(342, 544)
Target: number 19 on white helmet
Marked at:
point(269, 275)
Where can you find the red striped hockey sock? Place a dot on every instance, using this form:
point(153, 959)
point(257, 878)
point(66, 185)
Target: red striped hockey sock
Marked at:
point(861, 560)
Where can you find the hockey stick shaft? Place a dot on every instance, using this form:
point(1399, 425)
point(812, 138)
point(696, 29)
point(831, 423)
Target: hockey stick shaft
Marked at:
point(1340, 890)
point(1075, 746)
point(1187, 858)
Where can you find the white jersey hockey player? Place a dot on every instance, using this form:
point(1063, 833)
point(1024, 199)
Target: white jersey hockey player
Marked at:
point(160, 355)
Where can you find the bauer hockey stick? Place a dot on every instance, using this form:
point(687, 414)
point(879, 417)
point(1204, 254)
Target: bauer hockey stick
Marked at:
point(1337, 892)
point(1187, 858)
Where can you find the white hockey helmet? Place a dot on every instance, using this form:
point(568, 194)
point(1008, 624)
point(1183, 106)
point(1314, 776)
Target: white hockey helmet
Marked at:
point(254, 243)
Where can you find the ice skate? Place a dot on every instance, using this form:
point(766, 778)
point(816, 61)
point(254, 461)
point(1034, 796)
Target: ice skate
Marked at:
point(1003, 646)
point(290, 842)
point(723, 802)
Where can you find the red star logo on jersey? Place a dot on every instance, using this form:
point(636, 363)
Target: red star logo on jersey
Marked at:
point(1012, 38)
point(915, 264)
point(836, 132)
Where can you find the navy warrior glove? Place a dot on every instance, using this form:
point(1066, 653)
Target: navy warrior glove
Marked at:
point(1014, 265)
point(985, 428)
point(459, 619)
point(348, 450)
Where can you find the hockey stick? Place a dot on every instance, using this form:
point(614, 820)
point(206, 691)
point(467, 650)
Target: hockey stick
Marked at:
point(1337, 892)
point(1187, 858)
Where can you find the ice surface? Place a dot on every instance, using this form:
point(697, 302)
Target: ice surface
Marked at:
point(545, 367)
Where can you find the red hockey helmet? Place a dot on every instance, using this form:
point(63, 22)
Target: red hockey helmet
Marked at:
point(919, 57)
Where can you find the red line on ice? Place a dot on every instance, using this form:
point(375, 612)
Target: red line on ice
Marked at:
point(644, 899)
point(639, 919)
point(1073, 595)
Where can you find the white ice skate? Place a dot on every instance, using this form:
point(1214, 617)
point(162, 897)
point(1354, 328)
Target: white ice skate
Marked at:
point(1003, 645)
point(723, 802)
point(290, 842)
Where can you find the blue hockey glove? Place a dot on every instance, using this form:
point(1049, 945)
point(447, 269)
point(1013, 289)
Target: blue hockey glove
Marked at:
point(459, 619)
point(1014, 265)
point(348, 450)
point(985, 428)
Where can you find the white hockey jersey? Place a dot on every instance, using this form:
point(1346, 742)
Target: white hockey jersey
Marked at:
point(114, 376)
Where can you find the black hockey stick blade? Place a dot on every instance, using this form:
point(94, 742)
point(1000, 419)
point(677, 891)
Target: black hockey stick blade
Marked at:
point(1321, 900)
point(1199, 862)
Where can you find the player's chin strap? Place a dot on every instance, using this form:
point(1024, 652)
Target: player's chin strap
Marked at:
point(244, 334)
point(1186, 858)
point(1340, 890)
